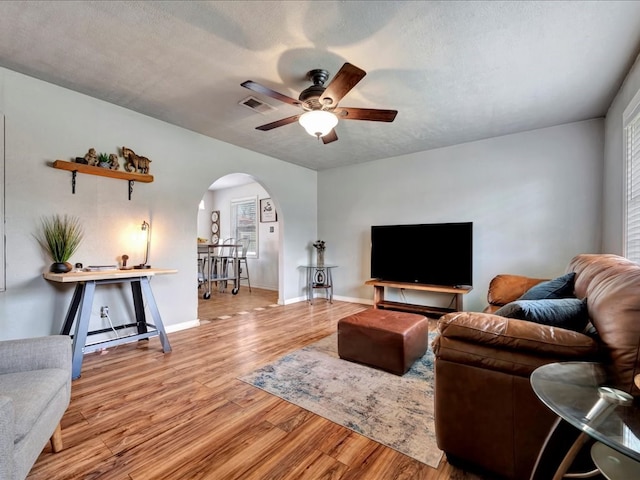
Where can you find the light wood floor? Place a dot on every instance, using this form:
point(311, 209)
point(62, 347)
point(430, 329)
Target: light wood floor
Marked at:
point(139, 414)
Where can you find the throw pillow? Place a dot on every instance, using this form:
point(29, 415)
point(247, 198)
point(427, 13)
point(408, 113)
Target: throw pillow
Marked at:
point(561, 287)
point(568, 313)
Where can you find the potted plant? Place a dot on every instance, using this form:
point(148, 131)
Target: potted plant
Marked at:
point(104, 161)
point(60, 236)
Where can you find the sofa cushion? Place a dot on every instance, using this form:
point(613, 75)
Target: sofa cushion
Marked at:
point(568, 313)
point(31, 392)
point(560, 287)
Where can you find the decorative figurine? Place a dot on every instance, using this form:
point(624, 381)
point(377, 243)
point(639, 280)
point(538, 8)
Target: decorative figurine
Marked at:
point(135, 163)
point(125, 257)
point(91, 157)
point(113, 160)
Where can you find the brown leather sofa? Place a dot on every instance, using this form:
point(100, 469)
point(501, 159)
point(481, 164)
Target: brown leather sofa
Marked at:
point(486, 414)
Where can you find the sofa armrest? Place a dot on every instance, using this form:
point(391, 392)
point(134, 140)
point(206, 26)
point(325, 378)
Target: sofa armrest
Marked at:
point(506, 344)
point(35, 354)
point(506, 288)
point(7, 436)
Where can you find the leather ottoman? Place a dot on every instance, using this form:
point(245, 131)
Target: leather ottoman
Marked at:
point(384, 339)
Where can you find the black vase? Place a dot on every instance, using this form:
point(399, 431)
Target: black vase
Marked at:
point(60, 267)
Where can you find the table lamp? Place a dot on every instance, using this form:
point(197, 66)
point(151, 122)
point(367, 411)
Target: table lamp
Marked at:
point(146, 228)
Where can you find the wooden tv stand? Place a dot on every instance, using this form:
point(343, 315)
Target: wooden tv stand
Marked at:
point(380, 302)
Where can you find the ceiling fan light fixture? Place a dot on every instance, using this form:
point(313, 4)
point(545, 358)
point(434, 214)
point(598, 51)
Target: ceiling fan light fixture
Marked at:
point(319, 103)
point(318, 123)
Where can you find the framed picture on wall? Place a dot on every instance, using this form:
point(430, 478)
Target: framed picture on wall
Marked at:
point(267, 211)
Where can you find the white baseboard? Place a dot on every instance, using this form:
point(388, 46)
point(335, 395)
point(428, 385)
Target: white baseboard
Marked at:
point(365, 301)
point(294, 300)
point(182, 326)
point(261, 287)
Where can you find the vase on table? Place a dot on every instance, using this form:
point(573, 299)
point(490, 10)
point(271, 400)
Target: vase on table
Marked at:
point(60, 267)
point(320, 258)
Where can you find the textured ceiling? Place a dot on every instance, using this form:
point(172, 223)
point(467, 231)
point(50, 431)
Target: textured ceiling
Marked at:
point(455, 71)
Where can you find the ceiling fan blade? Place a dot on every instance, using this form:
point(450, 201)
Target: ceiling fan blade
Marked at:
point(373, 114)
point(256, 87)
point(278, 123)
point(343, 81)
point(332, 136)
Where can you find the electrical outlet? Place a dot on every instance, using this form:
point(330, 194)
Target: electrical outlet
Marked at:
point(104, 311)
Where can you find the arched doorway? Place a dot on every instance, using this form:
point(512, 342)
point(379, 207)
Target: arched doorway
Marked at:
point(231, 209)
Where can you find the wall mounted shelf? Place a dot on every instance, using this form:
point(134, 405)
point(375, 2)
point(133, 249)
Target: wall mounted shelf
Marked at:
point(74, 168)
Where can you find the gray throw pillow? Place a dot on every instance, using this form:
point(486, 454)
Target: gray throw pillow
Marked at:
point(568, 313)
point(561, 287)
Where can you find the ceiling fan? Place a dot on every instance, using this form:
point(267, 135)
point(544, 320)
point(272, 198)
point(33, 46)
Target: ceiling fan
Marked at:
point(320, 103)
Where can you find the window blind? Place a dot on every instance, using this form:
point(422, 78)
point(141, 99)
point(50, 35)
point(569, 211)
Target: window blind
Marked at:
point(244, 223)
point(632, 147)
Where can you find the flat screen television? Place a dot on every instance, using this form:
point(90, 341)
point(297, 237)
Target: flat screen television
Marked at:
point(435, 254)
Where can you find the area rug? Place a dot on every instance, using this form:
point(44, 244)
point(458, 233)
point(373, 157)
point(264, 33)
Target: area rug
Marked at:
point(392, 410)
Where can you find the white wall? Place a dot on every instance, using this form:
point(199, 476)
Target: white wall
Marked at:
point(534, 199)
point(614, 164)
point(43, 123)
point(204, 217)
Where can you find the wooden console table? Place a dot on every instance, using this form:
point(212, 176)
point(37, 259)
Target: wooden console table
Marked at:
point(380, 302)
point(82, 301)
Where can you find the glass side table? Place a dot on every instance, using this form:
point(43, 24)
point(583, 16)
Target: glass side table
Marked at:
point(586, 408)
point(612, 464)
point(319, 277)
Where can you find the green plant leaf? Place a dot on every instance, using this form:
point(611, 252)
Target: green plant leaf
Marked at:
point(60, 236)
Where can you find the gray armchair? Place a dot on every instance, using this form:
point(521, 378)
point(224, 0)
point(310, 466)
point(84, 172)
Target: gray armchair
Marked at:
point(35, 390)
